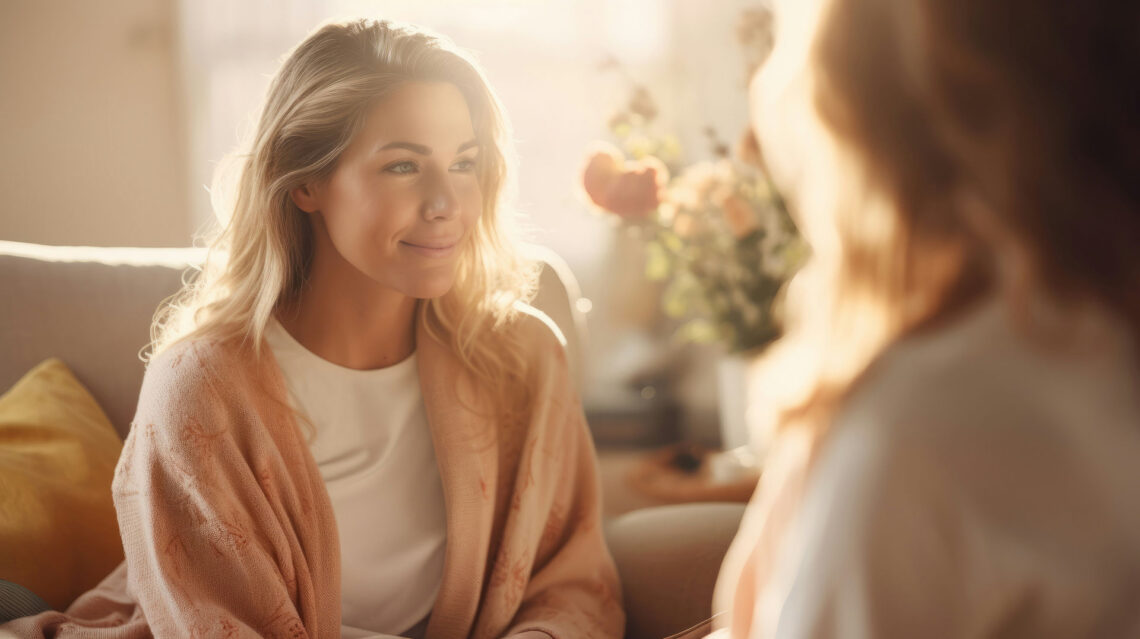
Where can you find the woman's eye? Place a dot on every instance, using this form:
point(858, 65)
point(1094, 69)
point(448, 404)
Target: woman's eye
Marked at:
point(401, 168)
point(464, 166)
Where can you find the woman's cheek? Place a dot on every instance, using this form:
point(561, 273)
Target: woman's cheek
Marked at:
point(472, 204)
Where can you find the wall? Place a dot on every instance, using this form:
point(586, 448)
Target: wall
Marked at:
point(91, 132)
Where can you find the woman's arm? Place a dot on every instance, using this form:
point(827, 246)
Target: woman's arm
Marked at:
point(204, 551)
point(573, 591)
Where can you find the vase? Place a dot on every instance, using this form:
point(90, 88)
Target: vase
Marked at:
point(732, 400)
point(739, 460)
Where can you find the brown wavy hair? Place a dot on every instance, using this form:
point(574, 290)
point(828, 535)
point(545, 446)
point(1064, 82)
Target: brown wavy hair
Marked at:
point(958, 137)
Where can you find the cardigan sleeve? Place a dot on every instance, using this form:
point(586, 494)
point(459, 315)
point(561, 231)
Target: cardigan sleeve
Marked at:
point(201, 542)
point(573, 591)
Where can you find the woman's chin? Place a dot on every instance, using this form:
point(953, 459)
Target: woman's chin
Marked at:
point(429, 287)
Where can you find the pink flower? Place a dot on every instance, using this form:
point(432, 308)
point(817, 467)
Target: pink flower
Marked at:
point(739, 216)
point(631, 190)
point(683, 225)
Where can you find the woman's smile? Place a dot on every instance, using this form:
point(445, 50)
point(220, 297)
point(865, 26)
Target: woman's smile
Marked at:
point(431, 248)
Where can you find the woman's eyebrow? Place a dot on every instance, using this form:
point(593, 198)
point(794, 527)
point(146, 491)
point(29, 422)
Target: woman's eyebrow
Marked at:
point(414, 148)
point(424, 150)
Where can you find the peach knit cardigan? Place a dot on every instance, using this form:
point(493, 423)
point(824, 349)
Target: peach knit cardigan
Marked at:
point(229, 532)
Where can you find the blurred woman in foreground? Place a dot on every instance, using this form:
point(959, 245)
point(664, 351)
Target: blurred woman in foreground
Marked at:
point(956, 406)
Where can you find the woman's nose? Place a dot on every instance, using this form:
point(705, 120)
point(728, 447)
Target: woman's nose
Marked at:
point(440, 201)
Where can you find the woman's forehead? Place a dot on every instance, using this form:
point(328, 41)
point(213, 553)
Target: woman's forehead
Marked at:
point(431, 114)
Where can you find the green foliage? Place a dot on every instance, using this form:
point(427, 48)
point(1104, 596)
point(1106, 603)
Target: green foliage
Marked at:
point(722, 239)
point(725, 287)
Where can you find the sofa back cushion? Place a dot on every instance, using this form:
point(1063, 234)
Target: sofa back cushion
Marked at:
point(92, 307)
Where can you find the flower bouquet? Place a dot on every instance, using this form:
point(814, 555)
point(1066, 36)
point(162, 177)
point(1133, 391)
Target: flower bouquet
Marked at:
point(717, 236)
point(716, 233)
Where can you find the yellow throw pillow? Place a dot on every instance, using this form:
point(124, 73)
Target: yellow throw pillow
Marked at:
point(58, 532)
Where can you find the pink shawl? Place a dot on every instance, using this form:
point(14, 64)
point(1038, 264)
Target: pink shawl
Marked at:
point(229, 532)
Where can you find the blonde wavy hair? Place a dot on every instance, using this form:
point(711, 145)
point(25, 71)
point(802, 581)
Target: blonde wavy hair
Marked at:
point(911, 133)
point(317, 102)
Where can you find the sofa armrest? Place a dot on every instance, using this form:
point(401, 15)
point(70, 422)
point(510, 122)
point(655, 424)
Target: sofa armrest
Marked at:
point(668, 558)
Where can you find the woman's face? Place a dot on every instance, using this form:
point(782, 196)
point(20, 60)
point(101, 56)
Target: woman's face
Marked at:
point(404, 198)
point(798, 151)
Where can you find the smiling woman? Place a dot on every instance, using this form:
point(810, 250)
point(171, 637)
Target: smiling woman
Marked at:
point(351, 423)
point(415, 186)
point(390, 223)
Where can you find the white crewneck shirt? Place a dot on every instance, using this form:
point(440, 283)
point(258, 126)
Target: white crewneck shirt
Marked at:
point(375, 453)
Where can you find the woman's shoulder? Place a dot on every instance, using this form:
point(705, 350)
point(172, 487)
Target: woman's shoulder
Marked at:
point(192, 375)
point(949, 396)
point(971, 398)
point(940, 372)
point(192, 360)
point(988, 367)
point(537, 331)
point(978, 425)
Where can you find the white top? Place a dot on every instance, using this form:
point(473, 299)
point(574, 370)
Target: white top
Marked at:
point(375, 453)
point(977, 485)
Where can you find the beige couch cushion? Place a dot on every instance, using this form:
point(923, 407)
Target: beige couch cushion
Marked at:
point(668, 558)
point(90, 307)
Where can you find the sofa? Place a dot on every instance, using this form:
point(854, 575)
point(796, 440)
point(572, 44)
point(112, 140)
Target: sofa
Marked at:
point(91, 307)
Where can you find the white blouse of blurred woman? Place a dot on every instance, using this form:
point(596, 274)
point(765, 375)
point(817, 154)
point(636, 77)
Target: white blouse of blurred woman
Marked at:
point(955, 409)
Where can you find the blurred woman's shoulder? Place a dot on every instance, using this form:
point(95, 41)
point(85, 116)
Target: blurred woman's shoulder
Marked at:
point(994, 368)
point(1046, 408)
point(975, 458)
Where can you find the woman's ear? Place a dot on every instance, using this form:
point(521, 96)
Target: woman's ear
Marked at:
point(306, 197)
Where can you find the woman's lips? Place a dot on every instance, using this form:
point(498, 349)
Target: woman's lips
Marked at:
point(431, 249)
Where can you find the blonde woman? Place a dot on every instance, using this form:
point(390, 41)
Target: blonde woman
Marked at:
point(352, 425)
point(957, 405)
